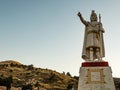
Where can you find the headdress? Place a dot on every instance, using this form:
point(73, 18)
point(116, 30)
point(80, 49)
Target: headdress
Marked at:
point(93, 16)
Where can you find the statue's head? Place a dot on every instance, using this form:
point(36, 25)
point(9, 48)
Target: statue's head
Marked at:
point(93, 16)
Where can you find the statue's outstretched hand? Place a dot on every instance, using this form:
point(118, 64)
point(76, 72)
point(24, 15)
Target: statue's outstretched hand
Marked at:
point(82, 19)
point(79, 14)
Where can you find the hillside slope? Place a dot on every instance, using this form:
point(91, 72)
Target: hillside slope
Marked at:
point(28, 74)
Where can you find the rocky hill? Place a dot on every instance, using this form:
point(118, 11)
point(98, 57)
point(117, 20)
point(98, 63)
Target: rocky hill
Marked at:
point(25, 75)
point(28, 74)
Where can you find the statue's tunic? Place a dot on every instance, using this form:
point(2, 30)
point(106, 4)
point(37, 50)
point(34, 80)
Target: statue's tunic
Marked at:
point(92, 35)
point(93, 38)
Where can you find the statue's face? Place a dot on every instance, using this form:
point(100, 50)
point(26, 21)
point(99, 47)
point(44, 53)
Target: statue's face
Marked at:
point(93, 18)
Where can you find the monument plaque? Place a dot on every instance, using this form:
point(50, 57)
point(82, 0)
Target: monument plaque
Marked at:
point(95, 73)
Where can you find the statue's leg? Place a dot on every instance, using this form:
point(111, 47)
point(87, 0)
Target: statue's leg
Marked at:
point(91, 54)
point(98, 54)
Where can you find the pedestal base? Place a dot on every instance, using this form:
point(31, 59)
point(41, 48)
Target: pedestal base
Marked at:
point(95, 76)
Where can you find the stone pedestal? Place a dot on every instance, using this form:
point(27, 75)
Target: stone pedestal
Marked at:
point(95, 76)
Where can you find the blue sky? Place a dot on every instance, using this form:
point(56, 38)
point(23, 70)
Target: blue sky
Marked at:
point(49, 34)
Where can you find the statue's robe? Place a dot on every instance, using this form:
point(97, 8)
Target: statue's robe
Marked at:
point(93, 38)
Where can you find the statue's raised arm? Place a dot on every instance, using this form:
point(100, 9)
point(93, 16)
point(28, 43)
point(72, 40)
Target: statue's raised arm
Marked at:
point(82, 19)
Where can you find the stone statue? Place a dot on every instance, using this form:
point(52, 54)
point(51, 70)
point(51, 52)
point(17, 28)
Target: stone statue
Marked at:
point(93, 47)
